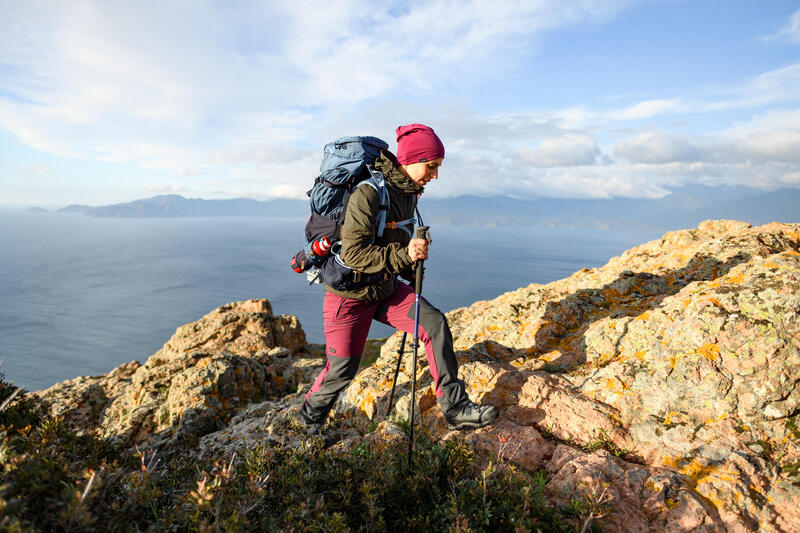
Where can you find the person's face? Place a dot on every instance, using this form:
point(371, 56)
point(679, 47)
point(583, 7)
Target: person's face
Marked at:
point(422, 173)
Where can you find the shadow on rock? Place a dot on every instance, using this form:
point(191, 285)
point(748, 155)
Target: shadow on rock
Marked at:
point(630, 295)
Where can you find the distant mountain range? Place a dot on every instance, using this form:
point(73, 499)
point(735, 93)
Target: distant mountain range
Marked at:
point(174, 205)
point(684, 207)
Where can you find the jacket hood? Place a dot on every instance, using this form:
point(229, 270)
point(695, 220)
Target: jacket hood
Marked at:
point(387, 164)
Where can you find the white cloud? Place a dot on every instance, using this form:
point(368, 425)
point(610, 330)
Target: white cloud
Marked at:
point(789, 32)
point(605, 182)
point(568, 150)
point(40, 170)
point(261, 156)
point(647, 164)
point(197, 89)
point(288, 191)
point(27, 128)
point(168, 189)
point(91, 70)
point(426, 44)
point(774, 119)
point(656, 147)
point(246, 94)
point(188, 171)
point(647, 109)
point(769, 88)
point(152, 156)
point(780, 145)
point(790, 179)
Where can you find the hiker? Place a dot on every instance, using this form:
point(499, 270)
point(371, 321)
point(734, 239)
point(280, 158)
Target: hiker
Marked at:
point(347, 314)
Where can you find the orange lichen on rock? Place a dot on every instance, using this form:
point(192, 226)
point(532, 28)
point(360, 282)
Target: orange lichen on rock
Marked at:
point(735, 278)
point(710, 351)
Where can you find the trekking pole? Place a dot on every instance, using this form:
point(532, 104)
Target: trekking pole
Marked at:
point(396, 372)
point(422, 233)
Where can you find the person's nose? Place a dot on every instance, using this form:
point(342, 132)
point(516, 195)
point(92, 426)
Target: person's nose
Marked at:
point(435, 173)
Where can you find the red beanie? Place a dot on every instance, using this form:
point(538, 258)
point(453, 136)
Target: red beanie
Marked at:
point(417, 143)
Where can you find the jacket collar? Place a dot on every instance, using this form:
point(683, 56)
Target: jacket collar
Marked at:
point(388, 165)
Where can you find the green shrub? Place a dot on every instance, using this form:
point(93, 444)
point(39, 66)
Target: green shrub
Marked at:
point(54, 479)
point(369, 488)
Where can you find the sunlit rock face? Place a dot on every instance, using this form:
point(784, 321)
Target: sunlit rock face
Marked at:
point(661, 390)
point(209, 369)
point(684, 351)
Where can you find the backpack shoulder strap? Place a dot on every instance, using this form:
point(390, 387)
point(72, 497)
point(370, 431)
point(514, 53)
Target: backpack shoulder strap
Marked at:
point(404, 224)
point(378, 182)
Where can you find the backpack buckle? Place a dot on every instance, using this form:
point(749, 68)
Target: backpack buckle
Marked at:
point(391, 225)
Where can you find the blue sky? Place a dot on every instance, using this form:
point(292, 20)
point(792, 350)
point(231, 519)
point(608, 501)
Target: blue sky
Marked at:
point(104, 102)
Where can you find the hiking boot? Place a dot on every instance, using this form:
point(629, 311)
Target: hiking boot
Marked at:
point(312, 426)
point(314, 429)
point(470, 415)
point(319, 431)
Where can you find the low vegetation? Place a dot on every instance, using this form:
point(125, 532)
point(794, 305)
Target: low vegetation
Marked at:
point(54, 479)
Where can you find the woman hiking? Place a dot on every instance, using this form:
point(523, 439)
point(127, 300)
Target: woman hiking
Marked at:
point(348, 314)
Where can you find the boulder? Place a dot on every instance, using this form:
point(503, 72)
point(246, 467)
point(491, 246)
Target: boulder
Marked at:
point(626, 496)
point(237, 354)
point(81, 401)
point(243, 328)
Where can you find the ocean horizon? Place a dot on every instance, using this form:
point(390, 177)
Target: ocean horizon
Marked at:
point(82, 295)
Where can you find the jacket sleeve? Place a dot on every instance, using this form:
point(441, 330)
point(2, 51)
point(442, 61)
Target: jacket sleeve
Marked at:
point(409, 274)
point(358, 232)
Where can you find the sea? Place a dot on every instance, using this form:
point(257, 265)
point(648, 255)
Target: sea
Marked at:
point(81, 295)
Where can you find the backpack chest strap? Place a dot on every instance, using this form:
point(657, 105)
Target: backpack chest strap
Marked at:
point(403, 225)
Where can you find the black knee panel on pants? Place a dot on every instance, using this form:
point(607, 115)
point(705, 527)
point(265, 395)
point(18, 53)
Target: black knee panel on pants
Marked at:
point(435, 325)
point(341, 373)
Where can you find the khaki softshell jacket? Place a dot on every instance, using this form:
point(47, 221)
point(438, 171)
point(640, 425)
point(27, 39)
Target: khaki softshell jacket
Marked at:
point(388, 253)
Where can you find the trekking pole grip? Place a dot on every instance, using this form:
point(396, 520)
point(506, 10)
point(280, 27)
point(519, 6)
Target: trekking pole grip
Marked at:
point(422, 233)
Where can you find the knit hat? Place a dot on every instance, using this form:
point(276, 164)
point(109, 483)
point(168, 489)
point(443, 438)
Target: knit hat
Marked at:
point(417, 143)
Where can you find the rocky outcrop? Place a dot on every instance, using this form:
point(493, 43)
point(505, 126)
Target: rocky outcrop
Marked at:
point(660, 391)
point(683, 352)
point(628, 497)
point(209, 369)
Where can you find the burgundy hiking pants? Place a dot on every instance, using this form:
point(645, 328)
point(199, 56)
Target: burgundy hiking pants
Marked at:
point(347, 323)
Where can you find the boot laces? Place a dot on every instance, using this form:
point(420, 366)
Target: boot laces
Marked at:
point(469, 407)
